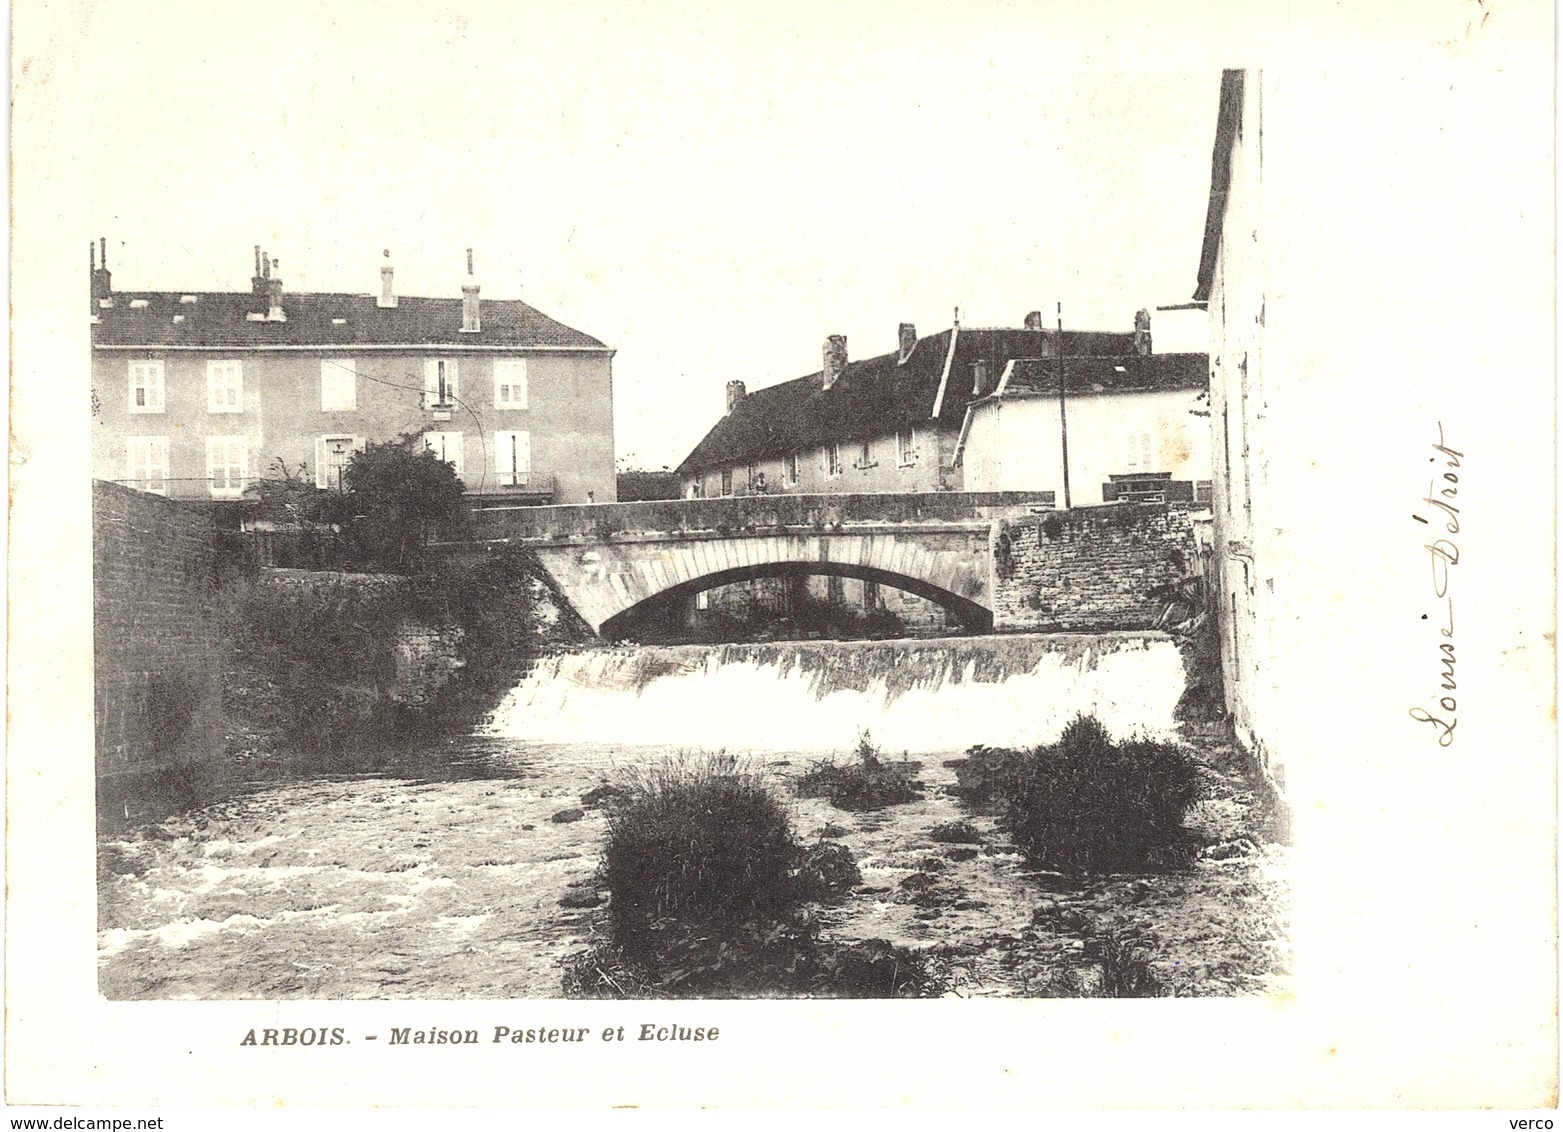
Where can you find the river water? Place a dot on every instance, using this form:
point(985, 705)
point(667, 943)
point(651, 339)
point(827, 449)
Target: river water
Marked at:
point(447, 871)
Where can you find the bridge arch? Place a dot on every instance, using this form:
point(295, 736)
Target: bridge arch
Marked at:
point(972, 616)
point(603, 579)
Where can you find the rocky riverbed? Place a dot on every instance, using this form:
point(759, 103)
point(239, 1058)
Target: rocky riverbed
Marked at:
point(470, 873)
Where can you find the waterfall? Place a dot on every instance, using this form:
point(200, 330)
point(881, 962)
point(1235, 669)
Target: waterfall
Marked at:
point(912, 695)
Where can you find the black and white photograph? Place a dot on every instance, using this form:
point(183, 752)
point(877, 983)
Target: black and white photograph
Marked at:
point(672, 537)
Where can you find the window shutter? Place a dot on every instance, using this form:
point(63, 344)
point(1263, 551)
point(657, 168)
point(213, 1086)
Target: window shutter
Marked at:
point(513, 458)
point(322, 455)
point(431, 382)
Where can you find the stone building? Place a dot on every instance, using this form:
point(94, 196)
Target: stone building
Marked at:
point(1138, 430)
point(964, 409)
point(198, 394)
point(885, 423)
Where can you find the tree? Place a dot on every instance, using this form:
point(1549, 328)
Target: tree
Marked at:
point(399, 497)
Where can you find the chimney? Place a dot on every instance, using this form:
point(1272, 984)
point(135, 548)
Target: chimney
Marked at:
point(835, 359)
point(906, 336)
point(1142, 332)
point(387, 295)
point(979, 378)
point(1034, 321)
point(274, 292)
point(102, 286)
point(258, 281)
point(470, 322)
point(736, 392)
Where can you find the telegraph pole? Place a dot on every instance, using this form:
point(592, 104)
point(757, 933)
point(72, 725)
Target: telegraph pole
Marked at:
point(1063, 421)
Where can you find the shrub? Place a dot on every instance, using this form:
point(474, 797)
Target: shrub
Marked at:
point(1126, 970)
point(1123, 970)
point(710, 899)
point(828, 871)
point(701, 842)
point(955, 833)
point(867, 784)
point(1089, 804)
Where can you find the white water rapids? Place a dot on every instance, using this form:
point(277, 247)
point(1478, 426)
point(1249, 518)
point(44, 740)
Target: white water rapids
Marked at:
point(911, 695)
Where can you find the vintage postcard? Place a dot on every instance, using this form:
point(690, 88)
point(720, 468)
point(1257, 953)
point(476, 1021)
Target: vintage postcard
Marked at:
point(660, 556)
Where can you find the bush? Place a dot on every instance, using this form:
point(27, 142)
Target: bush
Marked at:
point(867, 784)
point(1123, 970)
point(828, 871)
point(955, 833)
point(710, 898)
point(1089, 804)
point(701, 842)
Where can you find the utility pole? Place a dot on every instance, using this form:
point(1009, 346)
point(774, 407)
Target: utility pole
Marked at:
point(1063, 421)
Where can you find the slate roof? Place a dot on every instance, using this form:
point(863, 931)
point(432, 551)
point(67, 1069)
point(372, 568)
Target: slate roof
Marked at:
point(876, 396)
point(217, 320)
point(1096, 375)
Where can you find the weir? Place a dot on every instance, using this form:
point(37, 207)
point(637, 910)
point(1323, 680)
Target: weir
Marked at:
point(913, 695)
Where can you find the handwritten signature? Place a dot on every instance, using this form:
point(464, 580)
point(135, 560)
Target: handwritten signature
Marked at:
point(1443, 555)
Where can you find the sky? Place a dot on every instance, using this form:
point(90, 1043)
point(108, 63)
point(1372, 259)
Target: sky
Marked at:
point(710, 191)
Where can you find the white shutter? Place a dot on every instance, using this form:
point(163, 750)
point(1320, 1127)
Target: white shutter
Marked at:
point(322, 454)
point(431, 382)
point(445, 446)
point(513, 458)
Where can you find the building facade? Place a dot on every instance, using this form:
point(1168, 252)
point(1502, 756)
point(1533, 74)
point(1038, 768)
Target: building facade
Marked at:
point(1138, 430)
point(889, 423)
point(198, 395)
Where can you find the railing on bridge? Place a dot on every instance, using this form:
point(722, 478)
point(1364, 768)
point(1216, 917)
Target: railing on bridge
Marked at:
point(737, 514)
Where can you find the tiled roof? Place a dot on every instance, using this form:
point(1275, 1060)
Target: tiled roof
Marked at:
point(219, 320)
point(876, 396)
point(1092, 375)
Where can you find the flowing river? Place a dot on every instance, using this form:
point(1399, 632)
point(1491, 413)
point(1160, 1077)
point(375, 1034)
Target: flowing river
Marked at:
point(466, 869)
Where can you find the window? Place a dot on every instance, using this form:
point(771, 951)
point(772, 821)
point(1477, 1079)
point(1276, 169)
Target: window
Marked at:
point(790, 468)
point(865, 456)
point(146, 387)
point(146, 463)
point(446, 446)
point(224, 387)
point(833, 460)
point(338, 385)
point(1138, 453)
point(513, 458)
point(510, 383)
point(439, 383)
point(332, 454)
point(906, 447)
point(227, 465)
point(727, 481)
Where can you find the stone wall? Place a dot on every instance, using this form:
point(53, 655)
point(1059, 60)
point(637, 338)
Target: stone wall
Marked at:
point(1090, 569)
point(156, 635)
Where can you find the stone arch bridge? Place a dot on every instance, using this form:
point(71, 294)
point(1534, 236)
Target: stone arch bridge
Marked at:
point(609, 559)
